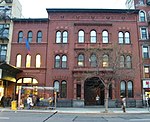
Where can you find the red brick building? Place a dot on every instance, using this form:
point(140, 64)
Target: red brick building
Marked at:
point(143, 23)
point(76, 51)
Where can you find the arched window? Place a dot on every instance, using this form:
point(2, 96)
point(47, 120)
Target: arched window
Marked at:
point(130, 89)
point(128, 62)
point(105, 37)
point(56, 85)
point(18, 62)
point(38, 61)
point(65, 37)
point(123, 88)
point(63, 89)
point(27, 80)
point(20, 36)
point(93, 60)
point(122, 61)
point(64, 61)
point(58, 37)
point(142, 16)
point(30, 35)
point(81, 36)
point(93, 36)
point(28, 61)
point(57, 61)
point(127, 37)
point(81, 60)
point(120, 37)
point(105, 61)
point(39, 37)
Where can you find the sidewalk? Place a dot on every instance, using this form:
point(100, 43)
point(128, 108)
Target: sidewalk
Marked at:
point(81, 110)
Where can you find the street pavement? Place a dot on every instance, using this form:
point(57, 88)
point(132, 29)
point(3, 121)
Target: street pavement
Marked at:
point(94, 110)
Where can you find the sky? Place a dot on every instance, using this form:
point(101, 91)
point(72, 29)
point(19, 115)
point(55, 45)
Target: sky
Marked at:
point(37, 8)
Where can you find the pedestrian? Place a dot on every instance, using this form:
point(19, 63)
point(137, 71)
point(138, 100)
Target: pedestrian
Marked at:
point(37, 100)
point(3, 101)
point(98, 100)
point(123, 100)
point(29, 101)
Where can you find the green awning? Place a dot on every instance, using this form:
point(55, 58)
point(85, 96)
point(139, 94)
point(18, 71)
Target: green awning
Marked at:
point(9, 72)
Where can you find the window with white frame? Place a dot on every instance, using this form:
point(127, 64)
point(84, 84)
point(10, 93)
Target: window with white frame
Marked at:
point(142, 16)
point(124, 37)
point(144, 33)
point(145, 52)
point(62, 37)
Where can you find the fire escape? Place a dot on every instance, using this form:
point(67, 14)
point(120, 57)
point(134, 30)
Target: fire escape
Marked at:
point(5, 19)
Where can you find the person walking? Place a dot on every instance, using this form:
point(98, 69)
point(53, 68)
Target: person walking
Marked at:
point(29, 102)
point(123, 99)
point(97, 100)
point(3, 101)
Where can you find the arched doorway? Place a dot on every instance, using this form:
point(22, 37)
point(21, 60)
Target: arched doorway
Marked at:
point(93, 87)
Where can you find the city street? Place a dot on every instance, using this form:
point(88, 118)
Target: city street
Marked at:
point(70, 117)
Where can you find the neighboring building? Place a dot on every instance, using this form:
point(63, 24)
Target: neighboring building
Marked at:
point(64, 49)
point(144, 43)
point(8, 10)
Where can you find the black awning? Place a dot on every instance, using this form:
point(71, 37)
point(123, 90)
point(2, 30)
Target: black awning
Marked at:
point(9, 72)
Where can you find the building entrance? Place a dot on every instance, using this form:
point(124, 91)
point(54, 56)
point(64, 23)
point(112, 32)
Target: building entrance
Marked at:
point(94, 92)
